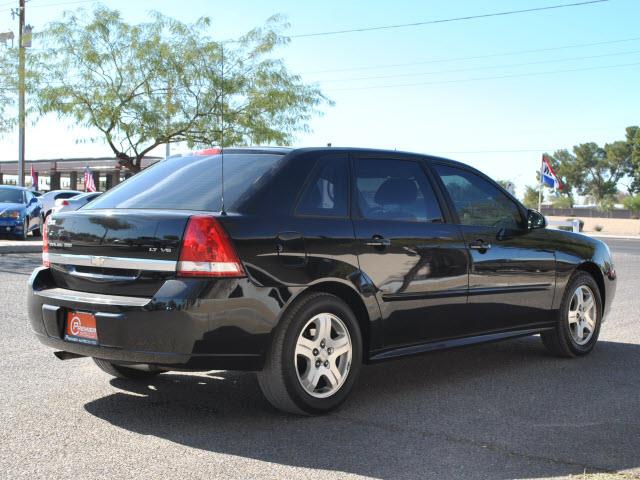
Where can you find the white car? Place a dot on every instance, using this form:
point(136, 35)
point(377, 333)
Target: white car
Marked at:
point(74, 203)
point(48, 200)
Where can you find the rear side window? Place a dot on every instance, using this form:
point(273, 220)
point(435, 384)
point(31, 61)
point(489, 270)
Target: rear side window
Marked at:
point(394, 190)
point(192, 183)
point(327, 191)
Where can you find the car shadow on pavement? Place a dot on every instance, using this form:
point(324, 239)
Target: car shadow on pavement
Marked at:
point(507, 410)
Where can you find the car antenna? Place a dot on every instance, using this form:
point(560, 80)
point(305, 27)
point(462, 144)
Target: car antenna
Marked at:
point(222, 211)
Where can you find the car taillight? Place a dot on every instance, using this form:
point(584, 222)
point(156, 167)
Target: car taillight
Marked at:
point(207, 250)
point(45, 245)
point(64, 203)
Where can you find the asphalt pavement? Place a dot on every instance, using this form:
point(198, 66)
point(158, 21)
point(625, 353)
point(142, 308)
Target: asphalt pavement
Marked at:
point(500, 411)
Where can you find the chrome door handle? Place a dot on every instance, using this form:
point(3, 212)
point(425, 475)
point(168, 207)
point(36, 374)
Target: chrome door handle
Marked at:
point(480, 245)
point(378, 241)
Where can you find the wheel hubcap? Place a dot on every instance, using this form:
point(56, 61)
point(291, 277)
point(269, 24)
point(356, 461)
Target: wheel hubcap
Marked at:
point(582, 315)
point(323, 355)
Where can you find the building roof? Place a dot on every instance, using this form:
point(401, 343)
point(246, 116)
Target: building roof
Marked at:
point(67, 165)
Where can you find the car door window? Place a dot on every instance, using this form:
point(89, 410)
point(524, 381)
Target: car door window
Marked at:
point(327, 191)
point(393, 189)
point(477, 201)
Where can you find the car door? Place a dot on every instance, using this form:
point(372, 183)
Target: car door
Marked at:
point(416, 262)
point(512, 269)
point(32, 209)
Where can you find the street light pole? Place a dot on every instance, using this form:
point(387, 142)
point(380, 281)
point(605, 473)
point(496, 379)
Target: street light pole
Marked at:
point(21, 99)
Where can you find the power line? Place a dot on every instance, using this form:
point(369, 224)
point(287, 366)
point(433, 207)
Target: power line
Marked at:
point(444, 20)
point(486, 67)
point(46, 5)
point(533, 74)
point(477, 57)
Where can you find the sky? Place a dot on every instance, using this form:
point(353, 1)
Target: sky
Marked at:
point(492, 92)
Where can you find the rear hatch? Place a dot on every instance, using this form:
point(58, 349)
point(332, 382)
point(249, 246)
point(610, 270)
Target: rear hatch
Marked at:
point(128, 241)
point(124, 252)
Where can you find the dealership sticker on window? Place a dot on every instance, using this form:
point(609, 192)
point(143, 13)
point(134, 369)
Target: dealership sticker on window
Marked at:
point(81, 328)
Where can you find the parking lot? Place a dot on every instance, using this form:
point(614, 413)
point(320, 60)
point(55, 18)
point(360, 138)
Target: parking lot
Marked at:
point(506, 410)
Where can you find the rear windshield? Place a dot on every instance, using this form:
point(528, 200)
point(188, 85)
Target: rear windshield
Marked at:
point(192, 183)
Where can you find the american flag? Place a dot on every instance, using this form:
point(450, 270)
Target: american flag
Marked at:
point(34, 178)
point(89, 184)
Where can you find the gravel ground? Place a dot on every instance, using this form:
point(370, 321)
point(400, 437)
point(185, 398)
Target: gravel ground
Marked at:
point(506, 410)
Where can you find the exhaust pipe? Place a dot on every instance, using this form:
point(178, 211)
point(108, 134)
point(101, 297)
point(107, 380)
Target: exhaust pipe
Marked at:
point(67, 355)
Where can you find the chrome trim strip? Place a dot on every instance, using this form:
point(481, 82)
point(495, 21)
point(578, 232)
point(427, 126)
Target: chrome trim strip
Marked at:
point(112, 262)
point(91, 298)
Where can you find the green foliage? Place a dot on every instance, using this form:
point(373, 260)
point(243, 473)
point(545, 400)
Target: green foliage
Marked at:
point(564, 166)
point(7, 88)
point(593, 170)
point(633, 149)
point(561, 201)
point(160, 82)
point(633, 203)
point(530, 199)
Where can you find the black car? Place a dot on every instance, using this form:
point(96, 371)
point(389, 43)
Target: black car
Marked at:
point(19, 212)
point(304, 264)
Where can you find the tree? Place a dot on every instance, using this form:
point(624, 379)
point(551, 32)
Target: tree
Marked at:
point(161, 82)
point(561, 201)
point(632, 150)
point(601, 170)
point(508, 186)
point(565, 166)
point(530, 199)
point(632, 202)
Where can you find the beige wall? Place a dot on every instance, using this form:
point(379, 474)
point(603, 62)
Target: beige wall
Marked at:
point(611, 226)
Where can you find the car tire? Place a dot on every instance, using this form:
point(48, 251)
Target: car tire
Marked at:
point(119, 371)
point(565, 339)
point(25, 229)
point(330, 362)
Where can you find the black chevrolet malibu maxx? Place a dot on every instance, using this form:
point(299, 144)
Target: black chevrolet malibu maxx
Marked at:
point(304, 264)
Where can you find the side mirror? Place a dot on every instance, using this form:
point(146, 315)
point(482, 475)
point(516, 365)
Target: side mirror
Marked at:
point(535, 220)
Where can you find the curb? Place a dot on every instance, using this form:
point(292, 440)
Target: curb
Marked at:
point(622, 237)
point(27, 247)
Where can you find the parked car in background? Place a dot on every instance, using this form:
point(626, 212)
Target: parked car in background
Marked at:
point(48, 200)
point(19, 212)
point(313, 262)
point(74, 203)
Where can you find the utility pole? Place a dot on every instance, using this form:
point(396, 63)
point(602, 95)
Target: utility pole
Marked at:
point(21, 89)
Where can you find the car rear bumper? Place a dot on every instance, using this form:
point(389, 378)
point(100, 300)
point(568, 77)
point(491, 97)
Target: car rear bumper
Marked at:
point(189, 324)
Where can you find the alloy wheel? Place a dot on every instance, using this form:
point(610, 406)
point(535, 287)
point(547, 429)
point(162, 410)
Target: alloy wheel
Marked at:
point(582, 315)
point(323, 355)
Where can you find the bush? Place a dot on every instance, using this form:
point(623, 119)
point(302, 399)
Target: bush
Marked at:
point(598, 228)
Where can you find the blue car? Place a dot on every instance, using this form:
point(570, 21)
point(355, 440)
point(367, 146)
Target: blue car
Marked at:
point(19, 212)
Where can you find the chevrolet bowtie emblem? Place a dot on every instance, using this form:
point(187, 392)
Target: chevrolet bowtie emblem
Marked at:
point(97, 261)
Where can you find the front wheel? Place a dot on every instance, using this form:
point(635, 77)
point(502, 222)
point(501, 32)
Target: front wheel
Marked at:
point(314, 358)
point(119, 371)
point(580, 316)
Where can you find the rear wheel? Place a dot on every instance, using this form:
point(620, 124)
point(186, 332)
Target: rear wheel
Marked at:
point(315, 356)
point(124, 372)
point(580, 316)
